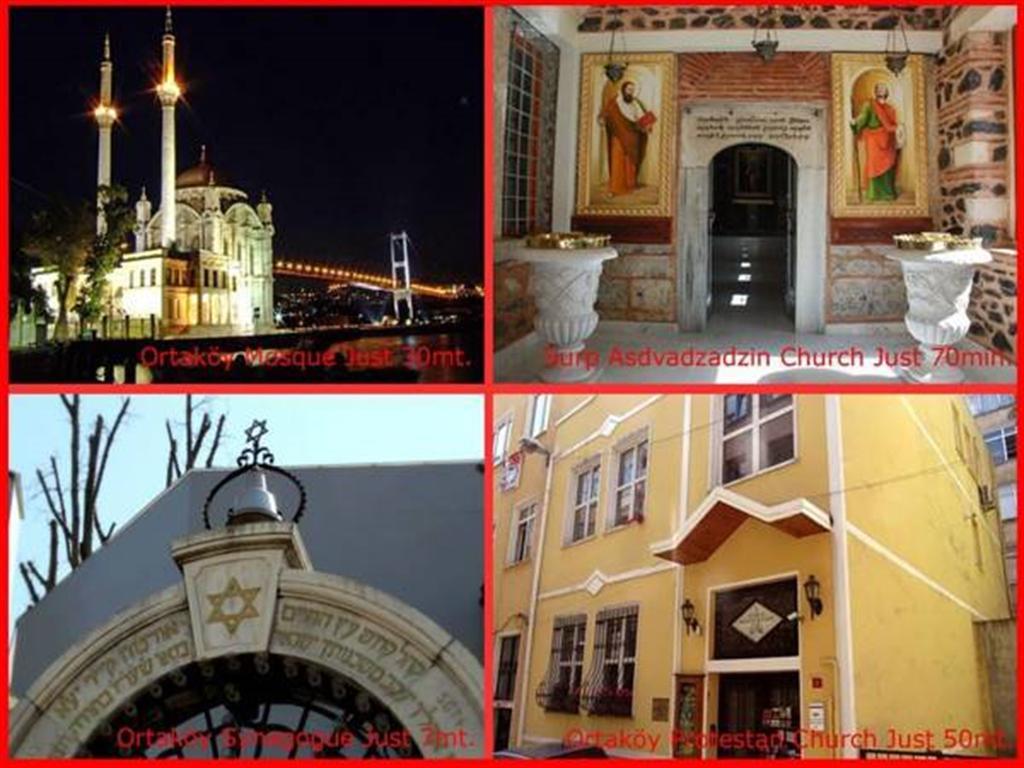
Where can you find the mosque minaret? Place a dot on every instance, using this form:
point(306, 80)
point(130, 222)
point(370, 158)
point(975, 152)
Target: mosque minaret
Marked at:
point(105, 117)
point(168, 92)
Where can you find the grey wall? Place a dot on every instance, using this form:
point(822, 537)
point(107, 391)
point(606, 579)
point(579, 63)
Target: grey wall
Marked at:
point(414, 531)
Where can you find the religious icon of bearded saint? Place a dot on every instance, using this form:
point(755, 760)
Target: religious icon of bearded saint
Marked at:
point(627, 123)
point(880, 134)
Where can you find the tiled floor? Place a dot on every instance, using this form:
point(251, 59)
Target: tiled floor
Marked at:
point(524, 360)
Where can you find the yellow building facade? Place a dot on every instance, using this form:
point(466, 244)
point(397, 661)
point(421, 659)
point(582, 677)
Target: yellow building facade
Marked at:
point(738, 575)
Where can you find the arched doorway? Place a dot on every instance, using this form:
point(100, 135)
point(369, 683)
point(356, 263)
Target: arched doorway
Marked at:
point(753, 236)
point(799, 131)
point(254, 639)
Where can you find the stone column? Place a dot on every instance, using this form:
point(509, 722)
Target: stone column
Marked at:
point(695, 250)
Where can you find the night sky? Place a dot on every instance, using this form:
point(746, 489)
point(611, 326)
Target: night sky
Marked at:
point(357, 122)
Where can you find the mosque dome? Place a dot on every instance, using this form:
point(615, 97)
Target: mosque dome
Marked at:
point(201, 175)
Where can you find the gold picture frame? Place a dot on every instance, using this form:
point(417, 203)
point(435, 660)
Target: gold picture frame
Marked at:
point(626, 146)
point(879, 169)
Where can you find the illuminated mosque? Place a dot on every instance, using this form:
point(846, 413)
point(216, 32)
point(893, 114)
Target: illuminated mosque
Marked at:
point(203, 261)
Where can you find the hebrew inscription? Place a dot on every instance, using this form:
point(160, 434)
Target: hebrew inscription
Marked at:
point(404, 678)
point(131, 664)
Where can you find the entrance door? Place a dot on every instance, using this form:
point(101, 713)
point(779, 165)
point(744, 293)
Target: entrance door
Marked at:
point(504, 691)
point(759, 703)
point(752, 236)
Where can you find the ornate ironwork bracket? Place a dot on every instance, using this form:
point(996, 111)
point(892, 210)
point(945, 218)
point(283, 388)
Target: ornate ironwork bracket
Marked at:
point(255, 457)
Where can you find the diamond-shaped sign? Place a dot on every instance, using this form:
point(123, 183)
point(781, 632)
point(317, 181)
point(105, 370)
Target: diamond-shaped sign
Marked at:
point(756, 622)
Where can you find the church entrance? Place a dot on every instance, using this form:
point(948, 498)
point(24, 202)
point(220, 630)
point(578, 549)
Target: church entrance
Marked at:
point(752, 223)
point(752, 174)
point(758, 709)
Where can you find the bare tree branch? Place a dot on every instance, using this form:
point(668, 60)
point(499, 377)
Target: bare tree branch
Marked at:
point(188, 429)
point(80, 529)
point(73, 408)
point(29, 570)
point(195, 438)
point(89, 522)
point(172, 457)
point(69, 538)
point(51, 571)
point(216, 441)
point(23, 567)
point(59, 491)
point(55, 511)
point(193, 453)
point(110, 442)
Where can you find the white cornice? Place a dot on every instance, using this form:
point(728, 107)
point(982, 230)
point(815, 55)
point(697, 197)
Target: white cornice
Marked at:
point(598, 580)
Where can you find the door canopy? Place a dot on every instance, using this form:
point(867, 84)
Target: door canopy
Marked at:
point(723, 511)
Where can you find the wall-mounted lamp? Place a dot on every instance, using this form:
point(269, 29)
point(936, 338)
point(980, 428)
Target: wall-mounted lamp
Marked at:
point(529, 445)
point(812, 591)
point(692, 625)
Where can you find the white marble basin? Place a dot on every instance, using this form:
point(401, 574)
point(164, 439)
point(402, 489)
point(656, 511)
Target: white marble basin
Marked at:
point(564, 290)
point(938, 291)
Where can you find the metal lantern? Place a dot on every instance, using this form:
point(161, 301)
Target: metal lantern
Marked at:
point(689, 619)
point(896, 60)
point(812, 591)
point(614, 70)
point(767, 45)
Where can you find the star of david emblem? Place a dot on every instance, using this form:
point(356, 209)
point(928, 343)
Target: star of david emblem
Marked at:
point(756, 622)
point(234, 592)
point(256, 431)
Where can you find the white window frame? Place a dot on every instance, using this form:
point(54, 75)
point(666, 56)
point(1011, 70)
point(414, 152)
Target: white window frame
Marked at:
point(630, 443)
point(622, 658)
point(518, 520)
point(592, 503)
point(502, 426)
point(1011, 512)
point(540, 404)
point(756, 424)
point(577, 649)
point(1000, 434)
point(979, 405)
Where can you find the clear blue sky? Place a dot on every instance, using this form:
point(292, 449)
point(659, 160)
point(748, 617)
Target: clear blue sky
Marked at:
point(304, 429)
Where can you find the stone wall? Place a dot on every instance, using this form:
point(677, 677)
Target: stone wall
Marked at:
point(973, 104)
point(973, 101)
point(640, 285)
point(604, 19)
point(863, 286)
point(993, 307)
point(513, 302)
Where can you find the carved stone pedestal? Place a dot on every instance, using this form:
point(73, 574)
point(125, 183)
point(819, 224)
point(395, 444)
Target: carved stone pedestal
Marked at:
point(938, 291)
point(565, 289)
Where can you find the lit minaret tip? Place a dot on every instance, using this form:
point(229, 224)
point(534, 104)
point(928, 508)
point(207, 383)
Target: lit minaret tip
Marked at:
point(168, 92)
point(105, 117)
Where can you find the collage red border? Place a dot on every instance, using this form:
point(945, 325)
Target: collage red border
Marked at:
point(488, 388)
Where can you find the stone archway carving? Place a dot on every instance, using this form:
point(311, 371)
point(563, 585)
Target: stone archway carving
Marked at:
point(708, 127)
point(429, 681)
